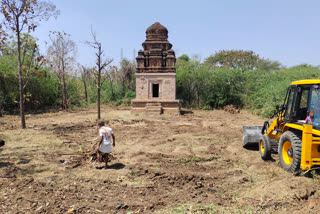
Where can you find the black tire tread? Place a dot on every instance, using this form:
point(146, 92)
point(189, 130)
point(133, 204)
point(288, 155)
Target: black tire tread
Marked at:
point(295, 141)
point(267, 148)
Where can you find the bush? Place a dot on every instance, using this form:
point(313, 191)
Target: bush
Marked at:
point(261, 91)
point(266, 91)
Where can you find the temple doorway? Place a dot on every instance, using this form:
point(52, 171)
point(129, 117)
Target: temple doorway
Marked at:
point(155, 90)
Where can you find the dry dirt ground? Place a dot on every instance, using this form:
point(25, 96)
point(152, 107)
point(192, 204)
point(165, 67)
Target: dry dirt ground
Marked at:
point(193, 163)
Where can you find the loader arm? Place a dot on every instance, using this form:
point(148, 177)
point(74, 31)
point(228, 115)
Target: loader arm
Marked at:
point(275, 129)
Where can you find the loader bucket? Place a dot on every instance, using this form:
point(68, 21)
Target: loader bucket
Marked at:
point(251, 135)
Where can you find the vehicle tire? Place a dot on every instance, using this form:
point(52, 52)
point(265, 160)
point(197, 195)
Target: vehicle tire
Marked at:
point(290, 151)
point(265, 148)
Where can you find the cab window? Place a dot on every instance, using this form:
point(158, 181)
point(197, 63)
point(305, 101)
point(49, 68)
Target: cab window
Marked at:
point(290, 103)
point(315, 106)
point(303, 104)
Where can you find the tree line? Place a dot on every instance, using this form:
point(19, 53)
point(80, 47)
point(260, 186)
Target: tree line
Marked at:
point(239, 78)
point(56, 81)
point(35, 81)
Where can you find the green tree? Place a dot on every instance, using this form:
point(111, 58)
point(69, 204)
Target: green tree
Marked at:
point(268, 65)
point(267, 89)
point(240, 59)
point(125, 75)
point(185, 86)
point(184, 57)
point(203, 86)
point(9, 90)
point(39, 86)
point(20, 15)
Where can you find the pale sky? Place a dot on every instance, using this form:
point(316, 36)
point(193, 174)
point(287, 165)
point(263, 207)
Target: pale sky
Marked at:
point(284, 30)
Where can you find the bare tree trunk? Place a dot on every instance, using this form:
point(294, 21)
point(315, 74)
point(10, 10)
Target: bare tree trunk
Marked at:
point(85, 90)
point(84, 76)
point(61, 53)
point(98, 98)
point(21, 91)
point(65, 103)
point(101, 65)
point(60, 88)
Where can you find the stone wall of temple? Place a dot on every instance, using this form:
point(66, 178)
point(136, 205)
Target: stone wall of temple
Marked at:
point(167, 86)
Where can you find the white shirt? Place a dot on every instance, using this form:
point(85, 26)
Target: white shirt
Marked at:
point(103, 131)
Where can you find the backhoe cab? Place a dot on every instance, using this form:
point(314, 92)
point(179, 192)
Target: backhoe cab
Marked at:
point(295, 133)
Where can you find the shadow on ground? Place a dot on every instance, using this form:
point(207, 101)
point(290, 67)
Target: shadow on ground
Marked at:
point(252, 147)
point(116, 166)
point(183, 112)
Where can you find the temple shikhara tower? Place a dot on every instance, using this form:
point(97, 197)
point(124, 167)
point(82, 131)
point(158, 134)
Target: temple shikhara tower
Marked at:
point(156, 74)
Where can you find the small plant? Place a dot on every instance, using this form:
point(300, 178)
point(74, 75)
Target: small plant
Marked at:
point(189, 160)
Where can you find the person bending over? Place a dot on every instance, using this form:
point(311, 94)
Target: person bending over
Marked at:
point(104, 147)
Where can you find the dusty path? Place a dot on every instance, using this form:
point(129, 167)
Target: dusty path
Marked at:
point(165, 164)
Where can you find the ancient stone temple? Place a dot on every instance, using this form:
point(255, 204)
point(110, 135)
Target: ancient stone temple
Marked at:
point(156, 74)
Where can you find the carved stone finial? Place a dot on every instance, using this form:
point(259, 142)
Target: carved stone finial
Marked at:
point(157, 32)
point(157, 56)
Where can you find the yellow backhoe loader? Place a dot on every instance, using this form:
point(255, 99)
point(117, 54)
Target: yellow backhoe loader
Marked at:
point(295, 133)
